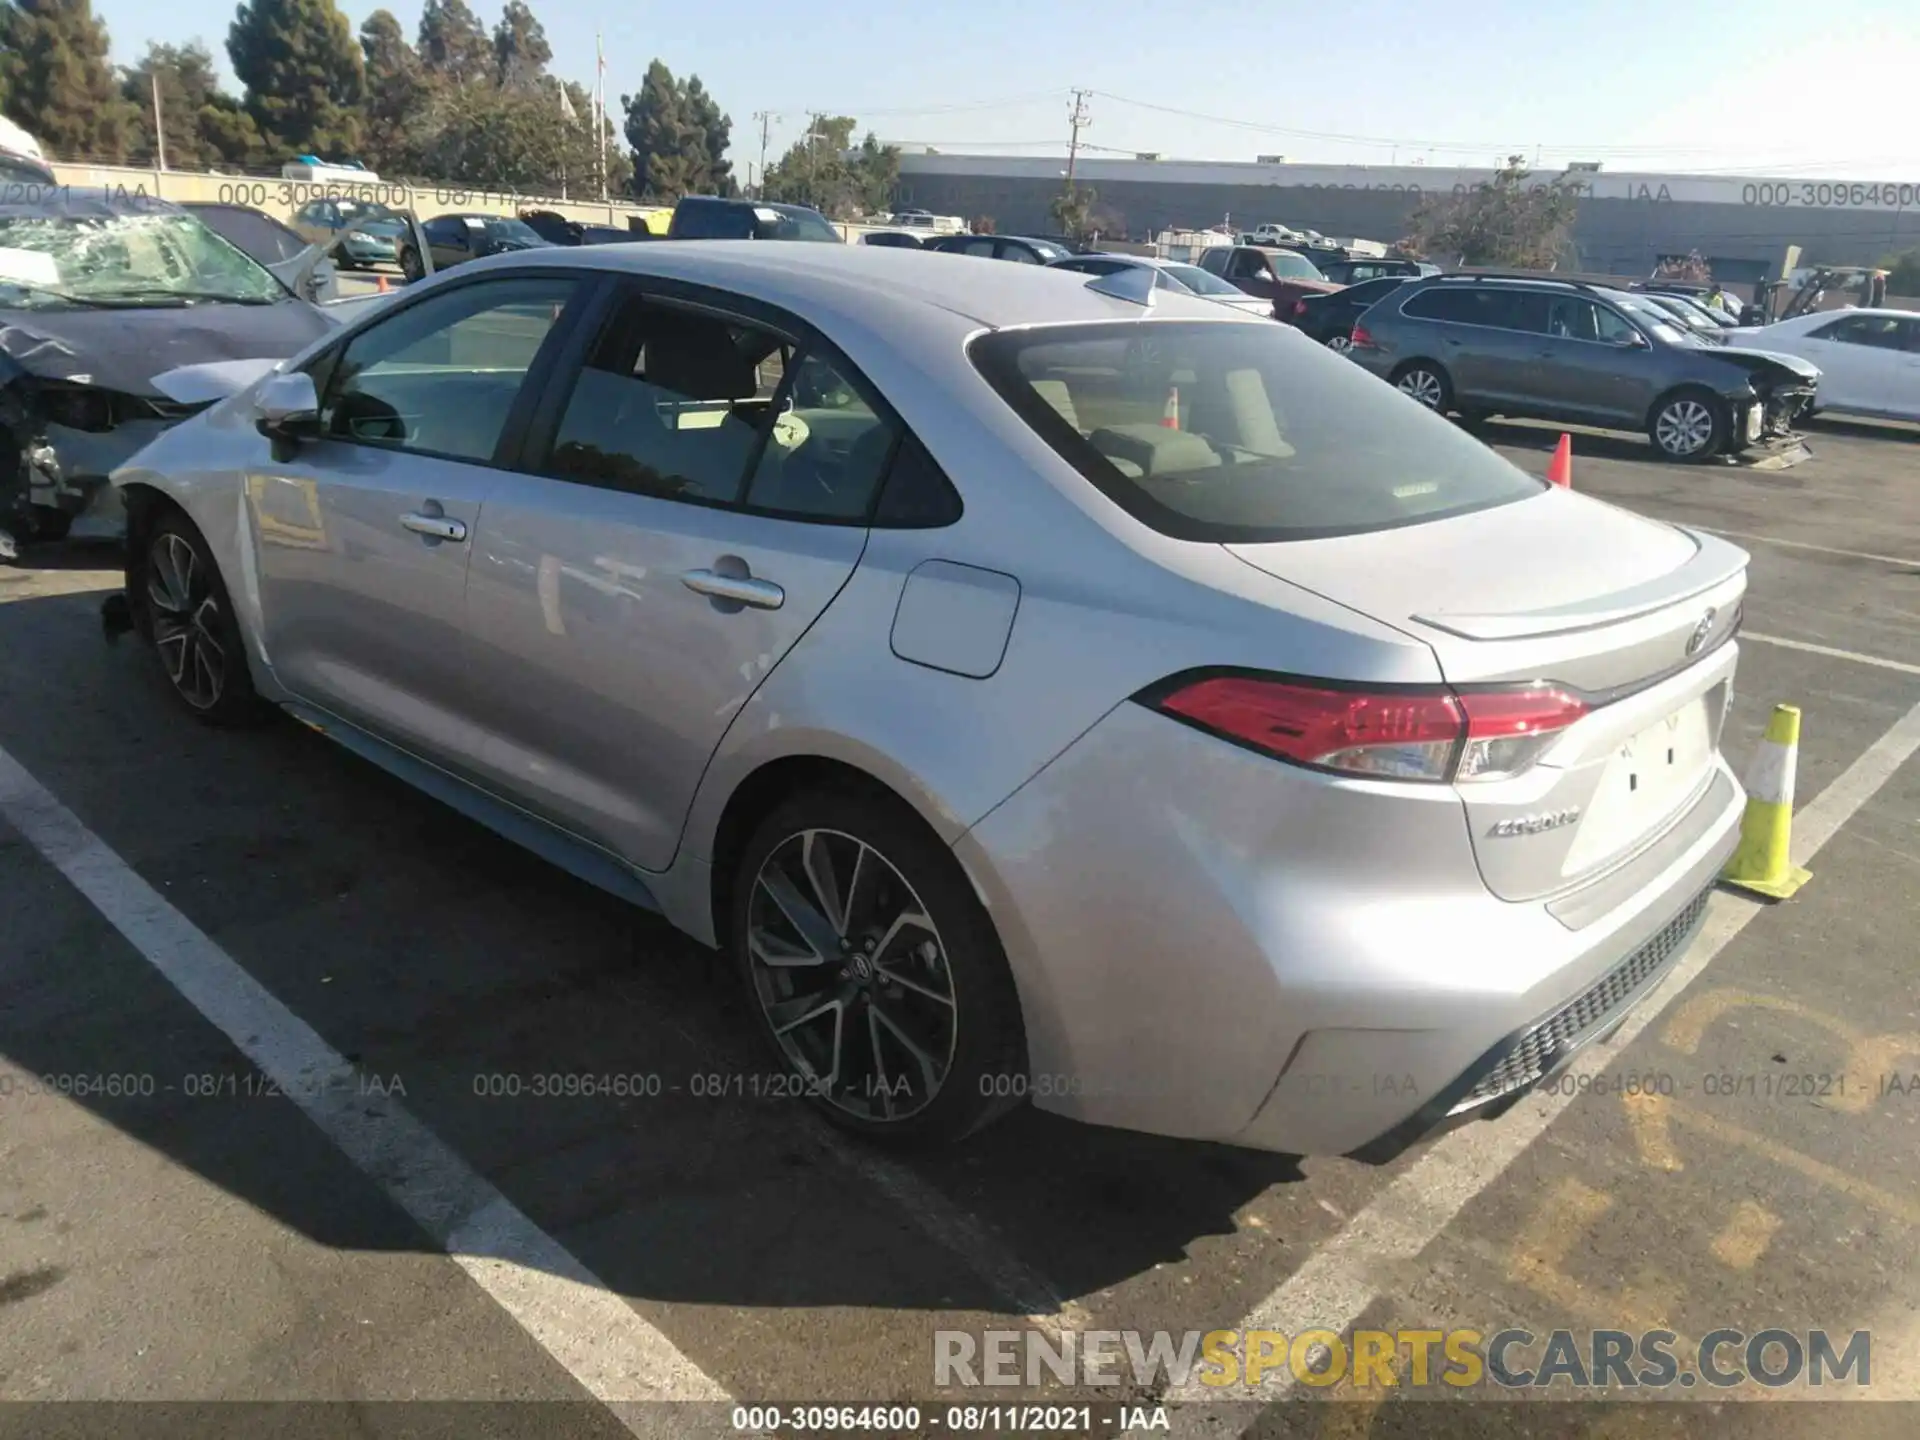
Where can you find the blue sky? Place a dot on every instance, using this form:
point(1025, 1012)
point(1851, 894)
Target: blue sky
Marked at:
point(1758, 86)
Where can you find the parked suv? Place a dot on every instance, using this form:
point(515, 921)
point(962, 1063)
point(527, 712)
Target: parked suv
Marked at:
point(709, 217)
point(1582, 354)
point(1371, 267)
point(1282, 276)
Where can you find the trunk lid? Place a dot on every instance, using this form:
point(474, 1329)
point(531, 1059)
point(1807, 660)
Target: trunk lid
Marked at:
point(1631, 615)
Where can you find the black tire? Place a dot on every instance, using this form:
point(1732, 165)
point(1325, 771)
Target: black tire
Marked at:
point(1690, 426)
point(410, 265)
point(189, 619)
point(1340, 342)
point(1427, 382)
point(826, 1007)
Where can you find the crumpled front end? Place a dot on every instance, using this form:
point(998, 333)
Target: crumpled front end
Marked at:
point(62, 439)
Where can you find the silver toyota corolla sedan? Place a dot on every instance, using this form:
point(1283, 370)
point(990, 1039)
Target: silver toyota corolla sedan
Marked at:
point(1041, 687)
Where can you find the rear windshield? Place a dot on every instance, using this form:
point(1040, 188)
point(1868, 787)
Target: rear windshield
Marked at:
point(1239, 433)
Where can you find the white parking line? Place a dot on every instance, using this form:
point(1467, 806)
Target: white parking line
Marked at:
point(595, 1335)
point(1336, 1284)
point(1804, 545)
point(1854, 655)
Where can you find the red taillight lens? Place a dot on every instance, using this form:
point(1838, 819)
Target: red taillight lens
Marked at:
point(1391, 736)
point(1507, 730)
point(1299, 307)
point(1360, 336)
point(1415, 734)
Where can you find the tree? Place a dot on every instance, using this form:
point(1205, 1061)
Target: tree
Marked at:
point(399, 92)
point(1903, 273)
point(712, 127)
point(520, 49)
point(824, 169)
point(453, 45)
point(1072, 210)
point(1506, 222)
point(672, 155)
point(59, 86)
point(304, 74)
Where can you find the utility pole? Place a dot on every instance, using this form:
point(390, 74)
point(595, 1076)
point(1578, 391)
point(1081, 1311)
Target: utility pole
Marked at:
point(1079, 120)
point(813, 159)
point(159, 128)
point(766, 118)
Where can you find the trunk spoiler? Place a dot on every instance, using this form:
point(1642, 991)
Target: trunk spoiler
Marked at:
point(1714, 562)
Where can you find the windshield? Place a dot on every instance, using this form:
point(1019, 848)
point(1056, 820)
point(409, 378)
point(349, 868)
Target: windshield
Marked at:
point(1201, 282)
point(797, 222)
point(514, 231)
point(1291, 266)
point(159, 257)
point(1239, 432)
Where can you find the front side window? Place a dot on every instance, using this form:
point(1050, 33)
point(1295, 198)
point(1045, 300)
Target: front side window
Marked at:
point(441, 376)
point(1228, 433)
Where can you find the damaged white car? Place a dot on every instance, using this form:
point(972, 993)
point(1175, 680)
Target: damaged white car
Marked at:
point(102, 294)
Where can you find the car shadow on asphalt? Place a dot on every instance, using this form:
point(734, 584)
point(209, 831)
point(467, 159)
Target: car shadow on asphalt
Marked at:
point(593, 1064)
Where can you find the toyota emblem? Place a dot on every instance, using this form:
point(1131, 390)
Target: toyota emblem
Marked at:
point(1701, 632)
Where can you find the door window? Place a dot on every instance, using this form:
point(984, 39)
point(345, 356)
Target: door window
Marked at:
point(671, 403)
point(827, 451)
point(1214, 258)
point(441, 376)
point(1880, 332)
point(1009, 250)
point(977, 247)
point(1248, 265)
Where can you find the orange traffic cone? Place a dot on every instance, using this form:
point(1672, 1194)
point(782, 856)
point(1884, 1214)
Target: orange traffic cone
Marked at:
point(1560, 471)
point(1170, 418)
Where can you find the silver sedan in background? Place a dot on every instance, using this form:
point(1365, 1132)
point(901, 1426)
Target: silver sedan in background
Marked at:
point(1039, 686)
point(1169, 275)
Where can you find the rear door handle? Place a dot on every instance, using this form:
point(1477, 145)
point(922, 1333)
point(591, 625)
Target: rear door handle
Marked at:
point(742, 589)
point(435, 527)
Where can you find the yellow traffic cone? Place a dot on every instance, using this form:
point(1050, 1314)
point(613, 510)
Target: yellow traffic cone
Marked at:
point(1761, 863)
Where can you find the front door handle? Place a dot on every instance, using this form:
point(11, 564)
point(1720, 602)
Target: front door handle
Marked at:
point(434, 527)
point(742, 589)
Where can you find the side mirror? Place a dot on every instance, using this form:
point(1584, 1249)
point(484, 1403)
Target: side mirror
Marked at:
point(287, 408)
point(1637, 341)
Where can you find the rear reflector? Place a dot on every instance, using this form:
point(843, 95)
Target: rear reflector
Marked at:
point(1431, 735)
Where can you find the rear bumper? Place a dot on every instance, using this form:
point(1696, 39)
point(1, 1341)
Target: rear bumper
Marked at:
point(1213, 945)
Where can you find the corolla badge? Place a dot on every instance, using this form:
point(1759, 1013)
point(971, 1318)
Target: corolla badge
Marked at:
point(1535, 824)
point(1701, 631)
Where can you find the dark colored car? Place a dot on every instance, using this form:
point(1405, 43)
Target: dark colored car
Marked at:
point(101, 292)
point(1022, 249)
point(1282, 276)
point(891, 239)
point(709, 217)
point(1330, 318)
point(454, 239)
point(281, 249)
point(1744, 312)
point(1354, 270)
point(1582, 354)
point(557, 229)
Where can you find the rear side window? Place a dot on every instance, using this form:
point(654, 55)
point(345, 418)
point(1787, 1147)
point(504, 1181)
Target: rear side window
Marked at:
point(713, 222)
point(1500, 308)
point(1239, 433)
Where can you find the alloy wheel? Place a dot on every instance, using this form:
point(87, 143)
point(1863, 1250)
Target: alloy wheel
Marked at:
point(1684, 427)
point(1422, 385)
point(1340, 344)
point(186, 621)
point(852, 976)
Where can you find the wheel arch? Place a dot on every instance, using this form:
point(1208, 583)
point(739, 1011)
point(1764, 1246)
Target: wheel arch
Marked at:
point(768, 785)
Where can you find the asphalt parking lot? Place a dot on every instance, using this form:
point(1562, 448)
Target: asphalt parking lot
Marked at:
point(210, 1234)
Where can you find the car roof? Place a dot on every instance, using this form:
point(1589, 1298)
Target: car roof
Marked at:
point(878, 284)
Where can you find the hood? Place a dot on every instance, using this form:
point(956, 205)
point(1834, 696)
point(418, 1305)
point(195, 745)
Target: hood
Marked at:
point(1762, 362)
point(123, 349)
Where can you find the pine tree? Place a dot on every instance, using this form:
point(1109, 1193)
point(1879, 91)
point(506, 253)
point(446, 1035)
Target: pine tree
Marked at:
point(670, 155)
point(520, 49)
point(188, 85)
point(58, 84)
point(304, 75)
point(399, 92)
point(714, 128)
point(452, 43)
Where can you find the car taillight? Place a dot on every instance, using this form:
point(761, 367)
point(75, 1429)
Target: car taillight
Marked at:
point(1432, 735)
point(1300, 307)
point(1360, 336)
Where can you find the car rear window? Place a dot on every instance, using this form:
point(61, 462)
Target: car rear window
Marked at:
point(1239, 433)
